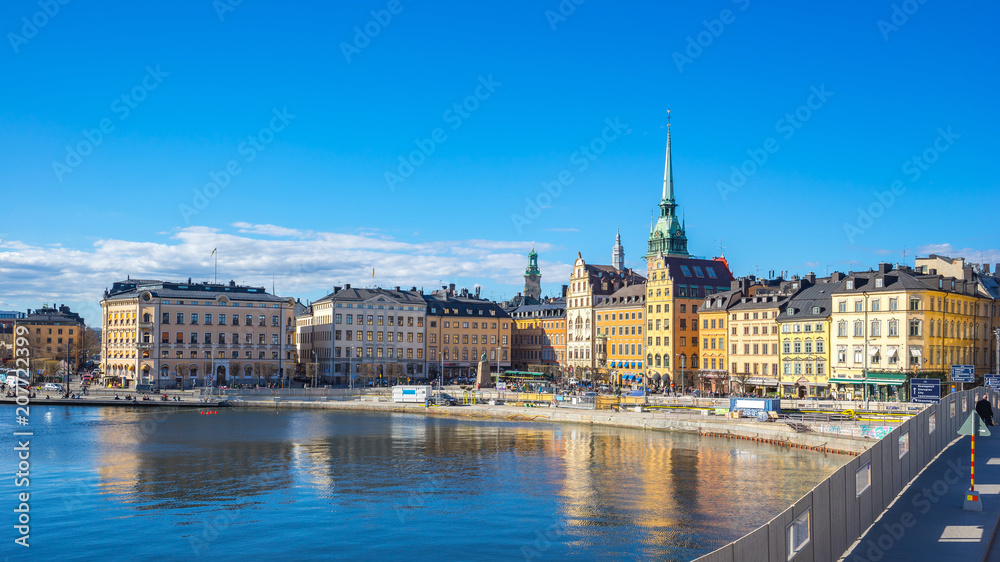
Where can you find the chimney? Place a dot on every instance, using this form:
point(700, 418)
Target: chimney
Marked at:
point(413, 289)
point(565, 290)
point(347, 286)
point(836, 277)
point(397, 288)
point(811, 278)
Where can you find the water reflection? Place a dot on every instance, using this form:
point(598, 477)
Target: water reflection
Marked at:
point(365, 482)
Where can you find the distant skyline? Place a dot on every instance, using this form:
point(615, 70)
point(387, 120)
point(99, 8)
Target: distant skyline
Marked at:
point(436, 143)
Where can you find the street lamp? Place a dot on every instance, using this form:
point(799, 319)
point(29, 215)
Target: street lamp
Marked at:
point(864, 356)
point(681, 365)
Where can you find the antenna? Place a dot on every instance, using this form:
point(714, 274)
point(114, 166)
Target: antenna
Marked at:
point(722, 249)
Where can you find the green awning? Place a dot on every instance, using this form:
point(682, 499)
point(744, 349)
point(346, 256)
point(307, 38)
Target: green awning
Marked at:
point(885, 379)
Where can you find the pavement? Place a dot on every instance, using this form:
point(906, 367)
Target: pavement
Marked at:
point(927, 521)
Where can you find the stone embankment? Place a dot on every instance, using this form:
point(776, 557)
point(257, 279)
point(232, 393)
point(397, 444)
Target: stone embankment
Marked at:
point(684, 421)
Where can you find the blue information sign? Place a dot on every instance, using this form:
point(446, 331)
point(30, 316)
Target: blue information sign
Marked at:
point(963, 373)
point(925, 391)
point(992, 380)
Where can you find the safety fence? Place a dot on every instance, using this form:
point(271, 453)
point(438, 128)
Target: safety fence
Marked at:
point(824, 523)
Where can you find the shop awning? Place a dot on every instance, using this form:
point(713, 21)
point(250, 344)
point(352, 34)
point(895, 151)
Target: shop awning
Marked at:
point(873, 350)
point(893, 351)
point(915, 352)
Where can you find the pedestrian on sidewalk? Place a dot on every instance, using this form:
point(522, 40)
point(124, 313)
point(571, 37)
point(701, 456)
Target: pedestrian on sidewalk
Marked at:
point(985, 410)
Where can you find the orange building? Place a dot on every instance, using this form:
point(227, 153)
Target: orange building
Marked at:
point(619, 321)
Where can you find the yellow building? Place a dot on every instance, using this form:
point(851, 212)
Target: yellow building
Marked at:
point(619, 320)
point(892, 324)
point(676, 285)
point(713, 313)
point(804, 353)
point(461, 327)
point(173, 335)
point(54, 336)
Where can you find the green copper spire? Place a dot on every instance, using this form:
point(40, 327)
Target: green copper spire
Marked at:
point(667, 236)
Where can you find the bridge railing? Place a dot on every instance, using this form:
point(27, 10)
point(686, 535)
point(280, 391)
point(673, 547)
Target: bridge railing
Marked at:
point(823, 524)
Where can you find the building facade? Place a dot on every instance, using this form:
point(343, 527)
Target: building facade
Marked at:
point(357, 336)
point(538, 338)
point(53, 340)
point(891, 324)
point(804, 327)
point(620, 336)
point(461, 328)
point(590, 285)
point(182, 335)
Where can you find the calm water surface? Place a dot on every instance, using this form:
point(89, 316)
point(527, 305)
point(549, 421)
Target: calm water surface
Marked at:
point(118, 484)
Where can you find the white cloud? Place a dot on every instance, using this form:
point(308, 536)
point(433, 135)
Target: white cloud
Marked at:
point(306, 265)
point(970, 254)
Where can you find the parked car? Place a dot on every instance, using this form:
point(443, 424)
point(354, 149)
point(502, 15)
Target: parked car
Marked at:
point(53, 386)
point(446, 399)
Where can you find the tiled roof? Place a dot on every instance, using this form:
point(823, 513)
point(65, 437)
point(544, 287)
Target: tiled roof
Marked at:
point(363, 295)
point(630, 296)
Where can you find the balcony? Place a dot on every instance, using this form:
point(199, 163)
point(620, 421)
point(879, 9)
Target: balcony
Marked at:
point(142, 345)
point(145, 325)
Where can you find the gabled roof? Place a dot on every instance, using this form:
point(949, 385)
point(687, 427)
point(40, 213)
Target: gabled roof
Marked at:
point(819, 295)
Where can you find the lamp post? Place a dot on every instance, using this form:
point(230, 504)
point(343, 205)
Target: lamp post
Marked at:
point(315, 367)
point(681, 366)
point(864, 356)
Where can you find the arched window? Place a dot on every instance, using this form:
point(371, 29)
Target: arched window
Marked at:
point(657, 359)
point(842, 329)
point(859, 328)
point(694, 361)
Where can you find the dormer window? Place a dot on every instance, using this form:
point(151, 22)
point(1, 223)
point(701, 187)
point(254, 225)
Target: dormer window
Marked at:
point(815, 310)
point(878, 282)
point(850, 284)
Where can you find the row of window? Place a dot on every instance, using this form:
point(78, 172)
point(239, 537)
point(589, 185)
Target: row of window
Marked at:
point(758, 349)
point(796, 368)
point(799, 327)
point(379, 352)
point(383, 307)
point(222, 319)
point(223, 303)
point(453, 354)
point(939, 304)
point(164, 354)
point(220, 338)
point(380, 320)
point(380, 336)
point(621, 316)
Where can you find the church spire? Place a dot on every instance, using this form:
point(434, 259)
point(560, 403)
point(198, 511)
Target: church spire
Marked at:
point(618, 253)
point(668, 172)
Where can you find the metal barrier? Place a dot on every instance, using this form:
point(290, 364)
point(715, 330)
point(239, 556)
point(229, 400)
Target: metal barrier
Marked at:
point(826, 521)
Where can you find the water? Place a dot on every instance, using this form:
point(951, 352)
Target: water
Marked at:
point(114, 483)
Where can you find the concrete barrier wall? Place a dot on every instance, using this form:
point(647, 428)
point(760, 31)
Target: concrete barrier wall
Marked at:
point(838, 514)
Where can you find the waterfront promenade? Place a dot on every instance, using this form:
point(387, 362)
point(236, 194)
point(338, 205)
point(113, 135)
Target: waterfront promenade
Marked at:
point(926, 520)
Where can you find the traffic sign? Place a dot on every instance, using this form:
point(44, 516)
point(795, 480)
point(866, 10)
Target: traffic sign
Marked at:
point(925, 391)
point(992, 380)
point(970, 423)
point(963, 373)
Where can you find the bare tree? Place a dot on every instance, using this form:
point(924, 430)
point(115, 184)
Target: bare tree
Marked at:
point(235, 369)
point(742, 378)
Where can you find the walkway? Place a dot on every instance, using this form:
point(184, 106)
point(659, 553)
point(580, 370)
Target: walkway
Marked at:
point(927, 522)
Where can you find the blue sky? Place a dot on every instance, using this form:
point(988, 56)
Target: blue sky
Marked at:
point(309, 115)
